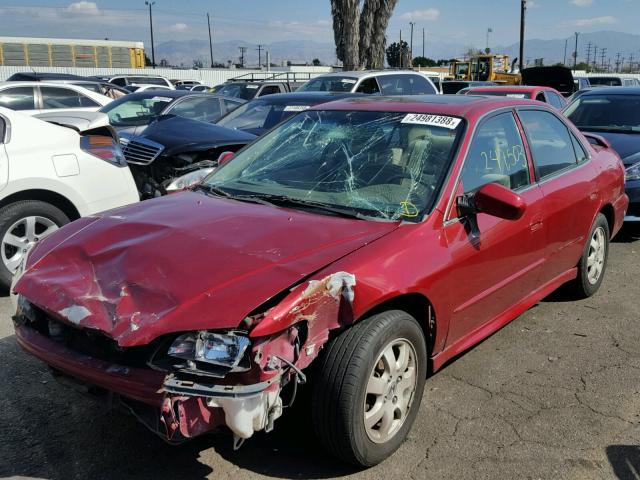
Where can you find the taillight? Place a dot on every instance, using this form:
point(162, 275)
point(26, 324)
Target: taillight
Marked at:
point(103, 147)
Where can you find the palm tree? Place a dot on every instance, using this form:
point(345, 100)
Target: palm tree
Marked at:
point(360, 35)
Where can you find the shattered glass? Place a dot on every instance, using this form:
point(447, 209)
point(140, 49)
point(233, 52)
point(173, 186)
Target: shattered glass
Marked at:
point(375, 164)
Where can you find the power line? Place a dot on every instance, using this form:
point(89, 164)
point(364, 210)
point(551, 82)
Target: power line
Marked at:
point(242, 50)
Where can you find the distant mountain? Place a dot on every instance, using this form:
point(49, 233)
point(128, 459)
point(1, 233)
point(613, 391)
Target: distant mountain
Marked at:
point(552, 51)
point(301, 51)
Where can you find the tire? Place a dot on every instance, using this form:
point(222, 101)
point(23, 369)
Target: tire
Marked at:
point(586, 284)
point(340, 396)
point(14, 226)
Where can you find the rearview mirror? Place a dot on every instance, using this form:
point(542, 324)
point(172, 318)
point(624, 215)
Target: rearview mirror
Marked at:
point(495, 200)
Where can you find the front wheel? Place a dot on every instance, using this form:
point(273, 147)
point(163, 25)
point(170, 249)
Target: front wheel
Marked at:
point(593, 262)
point(23, 224)
point(369, 387)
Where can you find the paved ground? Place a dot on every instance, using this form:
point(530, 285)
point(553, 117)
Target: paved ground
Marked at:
point(555, 394)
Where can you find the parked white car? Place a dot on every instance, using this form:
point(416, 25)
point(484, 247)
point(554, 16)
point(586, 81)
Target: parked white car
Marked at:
point(380, 82)
point(70, 172)
point(41, 97)
point(135, 87)
point(124, 80)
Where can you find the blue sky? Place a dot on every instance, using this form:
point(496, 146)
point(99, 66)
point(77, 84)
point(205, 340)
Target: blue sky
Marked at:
point(265, 21)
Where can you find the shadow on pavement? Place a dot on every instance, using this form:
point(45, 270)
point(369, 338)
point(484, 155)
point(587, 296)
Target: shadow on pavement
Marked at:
point(625, 460)
point(628, 234)
point(52, 432)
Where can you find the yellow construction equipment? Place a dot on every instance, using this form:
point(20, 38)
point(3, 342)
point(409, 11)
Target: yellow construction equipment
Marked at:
point(489, 68)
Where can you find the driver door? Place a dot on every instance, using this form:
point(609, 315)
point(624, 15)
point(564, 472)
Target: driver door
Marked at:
point(496, 262)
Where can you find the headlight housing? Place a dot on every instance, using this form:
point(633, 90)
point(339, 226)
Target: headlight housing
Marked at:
point(189, 179)
point(632, 172)
point(224, 350)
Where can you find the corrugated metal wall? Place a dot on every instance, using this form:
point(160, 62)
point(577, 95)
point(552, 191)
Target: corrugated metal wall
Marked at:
point(207, 76)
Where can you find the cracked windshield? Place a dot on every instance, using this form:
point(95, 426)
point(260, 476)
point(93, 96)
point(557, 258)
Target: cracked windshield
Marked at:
point(375, 165)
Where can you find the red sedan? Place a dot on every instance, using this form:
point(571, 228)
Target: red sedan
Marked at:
point(374, 238)
point(542, 94)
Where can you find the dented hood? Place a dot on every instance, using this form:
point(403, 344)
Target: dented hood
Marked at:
point(182, 262)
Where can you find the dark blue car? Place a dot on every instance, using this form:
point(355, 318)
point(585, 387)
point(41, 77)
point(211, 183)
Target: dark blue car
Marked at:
point(614, 113)
point(261, 114)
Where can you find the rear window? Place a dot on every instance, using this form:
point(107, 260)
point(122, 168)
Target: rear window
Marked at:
point(245, 91)
point(259, 115)
point(405, 85)
point(608, 81)
point(615, 113)
point(148, 81)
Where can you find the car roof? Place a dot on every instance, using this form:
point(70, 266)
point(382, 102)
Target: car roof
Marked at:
point(161, 93)
point(456, 105)
point(367, 73)
point(36, 83)
point(613, 91)
point(512, 88)
point(36, 76)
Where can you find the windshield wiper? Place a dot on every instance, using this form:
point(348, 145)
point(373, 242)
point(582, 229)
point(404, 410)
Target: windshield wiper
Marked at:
point(284, 201)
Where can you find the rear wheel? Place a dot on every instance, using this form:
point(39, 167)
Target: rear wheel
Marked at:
point(23, 224)
point(369, 387)
point(593, 262)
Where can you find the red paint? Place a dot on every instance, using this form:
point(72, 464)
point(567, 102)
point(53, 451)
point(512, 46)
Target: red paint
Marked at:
point(189, 262)
point(530, 92)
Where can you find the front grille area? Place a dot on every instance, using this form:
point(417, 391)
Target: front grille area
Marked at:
point(139, 150)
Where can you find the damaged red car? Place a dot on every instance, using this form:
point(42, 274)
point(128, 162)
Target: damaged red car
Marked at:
point(374, 239)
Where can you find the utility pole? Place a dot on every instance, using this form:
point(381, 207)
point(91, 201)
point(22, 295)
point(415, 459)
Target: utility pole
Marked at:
point(489, 30)
point(595, 58)
point(411, 45)
point(618, 62)
point(575, 52)
point(210, 42)
point(603, 52)
point(588, 53)
point(260, 55)
point(631, 63)
point(523, 11)
point(566, 42)
point(423, 44)
point(400, 50)
point(242, 50)
point(153, 51)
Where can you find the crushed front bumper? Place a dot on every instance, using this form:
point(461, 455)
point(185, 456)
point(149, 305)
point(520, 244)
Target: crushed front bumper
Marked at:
point(173, 408)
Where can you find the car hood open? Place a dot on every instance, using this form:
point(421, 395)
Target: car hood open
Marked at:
point(182, 262)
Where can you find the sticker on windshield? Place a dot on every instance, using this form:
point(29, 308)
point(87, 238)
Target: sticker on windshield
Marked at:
point(432, 120)
point(348, 80)
point(516, 95)
point(161, 99)
point(253, 86)
point(296, 108)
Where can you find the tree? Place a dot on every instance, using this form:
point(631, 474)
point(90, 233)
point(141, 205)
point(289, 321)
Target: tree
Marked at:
point(360, 34)
point(424, 62)
point(393, 54)
point(316, 62)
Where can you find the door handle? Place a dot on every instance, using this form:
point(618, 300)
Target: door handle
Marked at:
point(536, 223)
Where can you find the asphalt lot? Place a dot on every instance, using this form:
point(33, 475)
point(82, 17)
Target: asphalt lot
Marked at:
point(555, 394)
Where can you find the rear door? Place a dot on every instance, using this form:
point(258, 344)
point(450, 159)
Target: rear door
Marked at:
point(498, 262)
point(567, 179)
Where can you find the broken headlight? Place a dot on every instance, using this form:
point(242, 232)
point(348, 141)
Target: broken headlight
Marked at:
point(225, 350)
point(188, 179)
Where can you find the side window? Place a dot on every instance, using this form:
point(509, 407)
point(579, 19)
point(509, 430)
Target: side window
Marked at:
point(119, 81)
point(581, 155)
point(541, 98)
point(3, 129)
point(555, 100)
point(269, 90)
point(550, 142)
point(57, 97)
point(230, 105)
point(496, 155)
point(18, 98)
point(369, 85)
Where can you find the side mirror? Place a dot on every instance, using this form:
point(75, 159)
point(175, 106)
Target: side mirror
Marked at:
point(494, 199)
point(224, 158)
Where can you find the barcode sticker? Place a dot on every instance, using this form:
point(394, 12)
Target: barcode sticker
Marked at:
point(432, 120)
point(296, 108)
